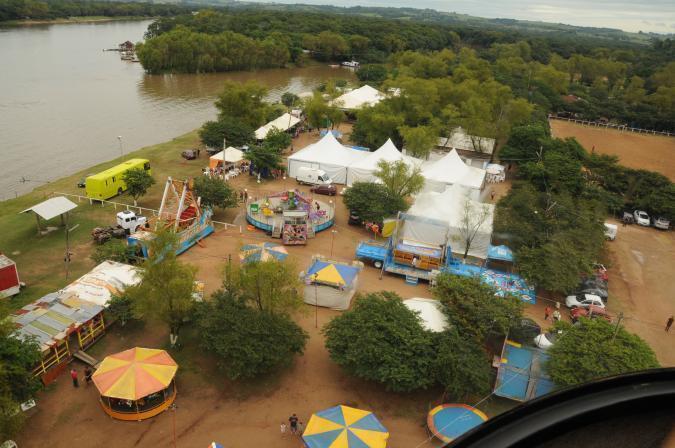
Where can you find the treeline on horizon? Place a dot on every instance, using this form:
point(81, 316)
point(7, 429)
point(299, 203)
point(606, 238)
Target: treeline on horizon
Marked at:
point(59, 9)
point(624, 82)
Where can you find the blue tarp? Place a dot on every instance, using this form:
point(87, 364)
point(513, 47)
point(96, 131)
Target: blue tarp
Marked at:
point(521, 375)
point(500, 253)
point(374, 251)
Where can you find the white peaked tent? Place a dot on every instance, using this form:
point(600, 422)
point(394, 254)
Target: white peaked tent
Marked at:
point(327, 154)
point(430, 312)
point(283, 123)
point(364, 169)
point(449, 207)
point(228, 155)
point(451, 170)
point(358, 98)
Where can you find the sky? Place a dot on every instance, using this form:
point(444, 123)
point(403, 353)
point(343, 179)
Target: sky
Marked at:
point(639, 15)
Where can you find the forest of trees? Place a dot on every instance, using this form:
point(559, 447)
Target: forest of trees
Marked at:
point(623, 81)
point(58, 9)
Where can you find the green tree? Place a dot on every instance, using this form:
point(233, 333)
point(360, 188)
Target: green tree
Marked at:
point(229, 130)
point(473, 218)
point(113, 250)
point(524, 144)
point(271, 286)
point(18, 358)
point(373, 202)
point(594, 349)
point(290, 99)
point(247, 342)
point(473, 307)
point(166, 287)
point(316, 110)
point(372, 73)
point(381, 340)
point(215, 193)
point(401, 179)
point(244, 101)
point(277, 140)
point(420, 140)
point(264, 159)
point(121, 307)
point(138, 182)
point(462, 365)
point(374, 125)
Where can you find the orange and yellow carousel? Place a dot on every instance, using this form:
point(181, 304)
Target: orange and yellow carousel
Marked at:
point(137, 383)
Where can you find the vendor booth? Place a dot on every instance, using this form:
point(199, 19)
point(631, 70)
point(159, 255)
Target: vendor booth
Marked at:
point(226, 158)
point(330, 283)
point(136, 384)
point(449, 421)
point(344, 427)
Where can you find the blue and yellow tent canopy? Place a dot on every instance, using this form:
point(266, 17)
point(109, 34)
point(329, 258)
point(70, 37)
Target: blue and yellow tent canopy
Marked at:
point(345, 427)
point(262, 252)
point(332, 273)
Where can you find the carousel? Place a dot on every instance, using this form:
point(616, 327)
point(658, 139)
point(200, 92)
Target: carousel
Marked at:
point(290, 215)
point(136, 384)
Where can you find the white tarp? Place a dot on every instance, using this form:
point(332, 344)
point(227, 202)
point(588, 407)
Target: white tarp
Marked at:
point(283, 123)
point(449, 207)
point(363, 170)
point(52, 208)
point(101, 283)
point(358, 98)
point(430, 312)
point(229, 155)
point(461, 140)
point(451, 170)
point(327, 154)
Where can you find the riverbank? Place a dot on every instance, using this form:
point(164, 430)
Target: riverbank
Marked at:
point(66, 20)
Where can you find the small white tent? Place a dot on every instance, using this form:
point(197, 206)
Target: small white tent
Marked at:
point(327, 154)
point(450, 207)
point(430, 312)
point(451, 170)
point(364, 169)
point(358, 98)
point(228, 155)
point(283, 123)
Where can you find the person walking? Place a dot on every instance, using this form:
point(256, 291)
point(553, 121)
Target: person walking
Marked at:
point(283, 429)
point(73, 375)
point(547, 313)
point(87, 375)
point(293, 421)
point(669, 323)
point(492, 195)
point(557, 316)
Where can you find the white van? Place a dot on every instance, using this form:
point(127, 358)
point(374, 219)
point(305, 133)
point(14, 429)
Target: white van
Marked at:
point(312, 176)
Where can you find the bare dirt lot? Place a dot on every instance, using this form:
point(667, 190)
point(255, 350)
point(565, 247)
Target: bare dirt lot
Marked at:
point(649, 152)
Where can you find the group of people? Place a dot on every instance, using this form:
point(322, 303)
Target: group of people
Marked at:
point(74, 375)
point(295, 425)
point(555, 314)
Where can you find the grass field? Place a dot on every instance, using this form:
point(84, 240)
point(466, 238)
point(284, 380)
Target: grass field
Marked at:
point(40, 258)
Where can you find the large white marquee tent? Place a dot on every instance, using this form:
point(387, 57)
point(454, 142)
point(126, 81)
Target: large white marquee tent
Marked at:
point(358, 98)
point(364, 169)
point(452, 171)
point(449, 207)
point(327, 154)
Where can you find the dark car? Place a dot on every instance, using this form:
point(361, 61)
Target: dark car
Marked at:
point(329, 190)
point(189, 154)
point(354, 219)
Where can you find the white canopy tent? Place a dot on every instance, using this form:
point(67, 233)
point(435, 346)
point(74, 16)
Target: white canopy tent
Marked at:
point(450, 207)
point(228, 155)
point(451, 170)
point(430, 312)
point(364, 169)
point(327, 154)
point(283, 123)
point(358, 98)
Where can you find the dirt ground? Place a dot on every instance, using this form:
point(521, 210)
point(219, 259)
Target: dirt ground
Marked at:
point(649, 152)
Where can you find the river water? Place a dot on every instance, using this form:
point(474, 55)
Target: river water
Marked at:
point(64, 101)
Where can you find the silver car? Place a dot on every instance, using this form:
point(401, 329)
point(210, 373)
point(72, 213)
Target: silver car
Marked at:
point(662, 223)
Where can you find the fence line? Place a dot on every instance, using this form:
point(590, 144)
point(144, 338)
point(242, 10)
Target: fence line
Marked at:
point(124, 206)
point(617, 127)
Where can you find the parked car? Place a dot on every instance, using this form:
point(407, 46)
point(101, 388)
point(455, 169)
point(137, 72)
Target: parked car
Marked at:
point(328, 189)
point(354, 219)
point(583, 301)
point(592, 312)
point(642, 218)
point(524, 330)
point(189, 154)
point(546, 340)
point(595, 286)
point(662, 223)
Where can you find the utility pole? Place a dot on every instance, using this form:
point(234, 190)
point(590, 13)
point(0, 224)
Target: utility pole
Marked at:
point(316, 302)
point(616, 327)
point(66, 258)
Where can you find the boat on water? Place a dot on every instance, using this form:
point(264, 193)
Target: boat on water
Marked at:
point(352, 64)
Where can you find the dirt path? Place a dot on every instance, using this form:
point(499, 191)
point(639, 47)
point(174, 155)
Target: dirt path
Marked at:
point(649, 152)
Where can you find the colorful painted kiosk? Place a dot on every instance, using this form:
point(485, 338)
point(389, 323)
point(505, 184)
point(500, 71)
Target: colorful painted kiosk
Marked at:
point(290, 215)
point(449, 421)
point(137, 383)
point(331, 283)
point(345, 427)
